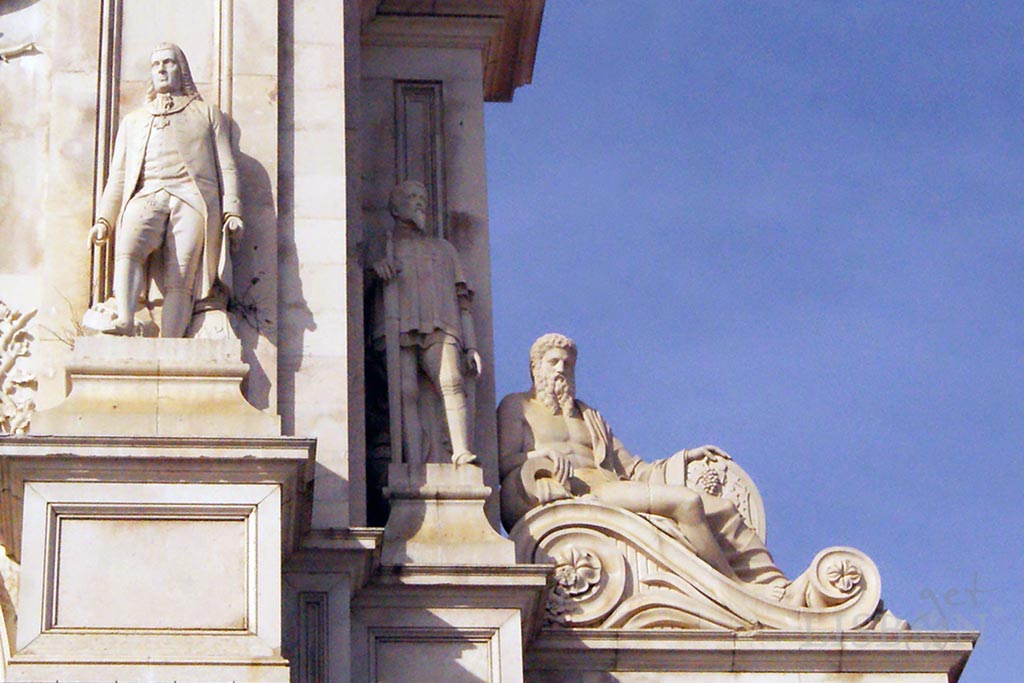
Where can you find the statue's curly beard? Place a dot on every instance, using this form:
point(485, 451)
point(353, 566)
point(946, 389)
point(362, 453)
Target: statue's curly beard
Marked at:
point(556, 391)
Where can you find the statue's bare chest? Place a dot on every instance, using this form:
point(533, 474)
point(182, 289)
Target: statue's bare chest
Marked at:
point(556, 429)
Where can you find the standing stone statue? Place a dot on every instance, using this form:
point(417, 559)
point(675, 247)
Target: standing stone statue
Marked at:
point(550, 429)
point(427, 328)
point(173, 195)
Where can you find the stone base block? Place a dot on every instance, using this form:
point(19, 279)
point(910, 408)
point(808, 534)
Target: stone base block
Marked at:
point(452, 624)
point(156, 387)
point(437, 517)
point(152, 560)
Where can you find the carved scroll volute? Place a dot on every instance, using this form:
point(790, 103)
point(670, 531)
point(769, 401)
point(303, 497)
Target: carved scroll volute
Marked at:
point(589, 576)
point(615, 569)
point(837, 576)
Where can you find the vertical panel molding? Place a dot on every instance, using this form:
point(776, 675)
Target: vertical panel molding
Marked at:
point(419, 143)
point(107, 94)
point(224, 31)
point(311, 664)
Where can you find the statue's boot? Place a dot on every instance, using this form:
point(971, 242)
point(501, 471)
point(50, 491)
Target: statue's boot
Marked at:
point(457, 414)
point(129, 276)
point(464, 458)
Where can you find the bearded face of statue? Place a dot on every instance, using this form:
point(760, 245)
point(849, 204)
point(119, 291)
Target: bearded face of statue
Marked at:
point(554, 381)
point(410, 204)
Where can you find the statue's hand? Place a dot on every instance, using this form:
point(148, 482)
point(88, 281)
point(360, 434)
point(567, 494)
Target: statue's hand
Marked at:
point(706, 452)
point(560, 460)
point(385, 269)
point(474, 363)
point(235, 228)
point(99, 233)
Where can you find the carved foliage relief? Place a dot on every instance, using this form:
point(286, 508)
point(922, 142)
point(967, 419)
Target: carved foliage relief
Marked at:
point(17, 384)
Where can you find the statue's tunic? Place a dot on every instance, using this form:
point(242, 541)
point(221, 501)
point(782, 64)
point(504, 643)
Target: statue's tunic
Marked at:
point(192, 136)
point(432, 292)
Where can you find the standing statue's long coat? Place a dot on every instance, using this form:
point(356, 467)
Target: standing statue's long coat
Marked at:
point(204, 143)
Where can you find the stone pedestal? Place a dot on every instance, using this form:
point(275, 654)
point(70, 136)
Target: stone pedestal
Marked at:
point(168, 387)
point(437, 518)
point(449, 602)
point(457, 624)
point(151, 559)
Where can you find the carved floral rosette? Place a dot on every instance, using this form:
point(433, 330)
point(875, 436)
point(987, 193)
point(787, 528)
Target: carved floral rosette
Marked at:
point(615, 569)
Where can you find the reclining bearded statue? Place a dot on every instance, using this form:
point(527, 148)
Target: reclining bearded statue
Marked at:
point(567, 482)
point(587, 460)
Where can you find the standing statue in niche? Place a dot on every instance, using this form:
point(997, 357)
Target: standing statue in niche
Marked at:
point(426, 327)
point(173, 196)
point(569, 452)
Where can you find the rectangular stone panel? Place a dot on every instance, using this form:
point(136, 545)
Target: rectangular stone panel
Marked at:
point(454, 660)
point(191, 24)
point(151, 573)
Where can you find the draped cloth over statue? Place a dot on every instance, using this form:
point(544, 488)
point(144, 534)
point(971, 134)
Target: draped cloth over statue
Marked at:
point(745, 550)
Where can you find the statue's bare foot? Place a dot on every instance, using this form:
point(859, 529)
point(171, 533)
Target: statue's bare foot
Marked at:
point(773, 592)
point(465, 458)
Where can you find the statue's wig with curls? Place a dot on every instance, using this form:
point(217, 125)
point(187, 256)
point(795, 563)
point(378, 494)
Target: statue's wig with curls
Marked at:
point(188, 86)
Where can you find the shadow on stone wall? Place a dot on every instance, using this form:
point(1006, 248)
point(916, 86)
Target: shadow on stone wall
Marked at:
point(253, 303)
point(296, 318)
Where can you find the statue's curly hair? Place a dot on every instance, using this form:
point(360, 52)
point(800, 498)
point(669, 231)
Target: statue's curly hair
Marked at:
point(188, 86)
point(545, 343)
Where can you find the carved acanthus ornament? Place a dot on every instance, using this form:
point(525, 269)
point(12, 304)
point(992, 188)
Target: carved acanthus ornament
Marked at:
point(17, 385)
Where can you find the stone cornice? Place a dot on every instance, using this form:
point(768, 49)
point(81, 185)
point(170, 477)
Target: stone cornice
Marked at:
point(751, 651)
point(509, 61)
point(506, 31)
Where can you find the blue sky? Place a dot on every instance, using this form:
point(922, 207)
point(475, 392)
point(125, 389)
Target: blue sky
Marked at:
point(792, 229)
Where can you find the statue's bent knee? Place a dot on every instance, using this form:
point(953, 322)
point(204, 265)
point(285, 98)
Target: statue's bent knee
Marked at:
point(687, 504)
